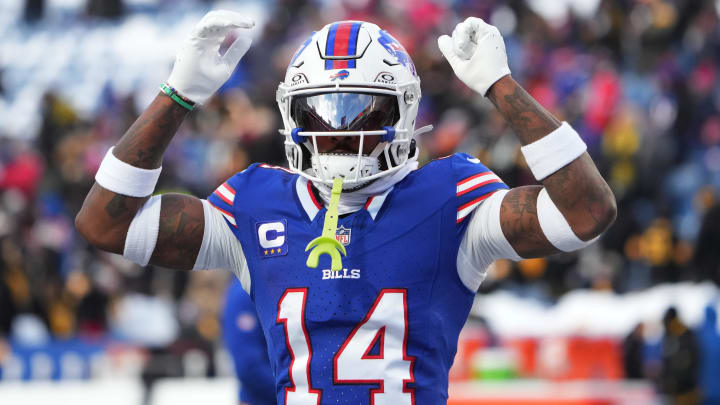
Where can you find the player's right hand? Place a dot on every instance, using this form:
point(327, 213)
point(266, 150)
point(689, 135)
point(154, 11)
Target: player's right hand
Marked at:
point(199, 68)
point(476, 53)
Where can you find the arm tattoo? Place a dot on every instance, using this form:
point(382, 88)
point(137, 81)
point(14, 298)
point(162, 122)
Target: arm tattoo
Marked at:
point(519, 222)
point(578, 190)
point(145, 142)
point(106, 216)
point(116, 207)
point(582, 195)
point(182, 224)
point(527, 117)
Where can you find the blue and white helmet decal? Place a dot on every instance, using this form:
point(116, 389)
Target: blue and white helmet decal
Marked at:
point(396, 49)
point(301, 49)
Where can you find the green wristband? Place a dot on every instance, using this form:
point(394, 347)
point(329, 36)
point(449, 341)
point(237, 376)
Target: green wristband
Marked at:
point(173, 94)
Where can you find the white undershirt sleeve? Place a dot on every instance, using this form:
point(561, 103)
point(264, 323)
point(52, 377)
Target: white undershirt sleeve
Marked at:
point(220, 248)
point(483, 242)
point(143, 232)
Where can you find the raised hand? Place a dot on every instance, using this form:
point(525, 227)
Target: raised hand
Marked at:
point(199, 68)
point(476, 53)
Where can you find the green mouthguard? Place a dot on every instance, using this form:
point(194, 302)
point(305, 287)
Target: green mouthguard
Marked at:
point(326, 243)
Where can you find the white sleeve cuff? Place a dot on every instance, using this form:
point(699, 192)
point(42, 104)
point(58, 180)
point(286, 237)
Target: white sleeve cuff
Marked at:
point(553, 151)
point(143, 232)
point(123, 178)
point(555, 227)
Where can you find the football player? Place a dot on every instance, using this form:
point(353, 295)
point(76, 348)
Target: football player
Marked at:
point(379, 325)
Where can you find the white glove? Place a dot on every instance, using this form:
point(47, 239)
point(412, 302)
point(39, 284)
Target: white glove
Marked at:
point(476, 53)
point(199, 68)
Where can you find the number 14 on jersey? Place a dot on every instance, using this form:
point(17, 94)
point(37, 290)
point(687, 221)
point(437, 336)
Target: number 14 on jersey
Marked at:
point(385, 326)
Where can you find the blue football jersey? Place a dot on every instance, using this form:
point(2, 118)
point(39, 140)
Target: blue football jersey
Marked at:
point(384, 329)
point(244, 339)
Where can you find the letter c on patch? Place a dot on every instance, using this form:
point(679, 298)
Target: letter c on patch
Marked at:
point(271, 234)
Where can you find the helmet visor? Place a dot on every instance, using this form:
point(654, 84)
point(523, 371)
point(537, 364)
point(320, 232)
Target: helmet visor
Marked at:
point(344, 111)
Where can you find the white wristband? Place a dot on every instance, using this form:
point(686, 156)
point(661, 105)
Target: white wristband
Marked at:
point(555, 227)
point(122, 178)
point(143, 232)
point(553, 151)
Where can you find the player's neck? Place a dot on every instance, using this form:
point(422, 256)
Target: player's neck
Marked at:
point(351, 201)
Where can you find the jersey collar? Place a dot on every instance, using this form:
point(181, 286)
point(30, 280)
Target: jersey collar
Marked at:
point(376, 202)
point(311, 203)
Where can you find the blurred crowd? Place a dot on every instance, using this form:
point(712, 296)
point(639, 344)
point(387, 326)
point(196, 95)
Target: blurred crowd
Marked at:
point(638, 79)
point(684, 364)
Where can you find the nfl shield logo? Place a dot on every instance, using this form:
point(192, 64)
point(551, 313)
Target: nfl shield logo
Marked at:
point(343, 235)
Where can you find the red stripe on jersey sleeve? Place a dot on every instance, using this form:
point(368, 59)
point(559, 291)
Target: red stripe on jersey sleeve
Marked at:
point(219, 195)
point(461, 182)
point(229, 187)
point(477, 200)
point(475, 187)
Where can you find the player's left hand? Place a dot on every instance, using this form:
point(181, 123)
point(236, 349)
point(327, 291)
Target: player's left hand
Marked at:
point(199, 68)
point(476, 53)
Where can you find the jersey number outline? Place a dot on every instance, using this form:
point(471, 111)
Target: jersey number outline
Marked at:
point(298, 344)
point(385, 326)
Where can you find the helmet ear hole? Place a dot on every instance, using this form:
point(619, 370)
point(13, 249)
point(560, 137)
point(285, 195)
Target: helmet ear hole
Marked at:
point(383, 162)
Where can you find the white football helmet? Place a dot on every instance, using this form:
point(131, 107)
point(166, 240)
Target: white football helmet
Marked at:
point(350, 79)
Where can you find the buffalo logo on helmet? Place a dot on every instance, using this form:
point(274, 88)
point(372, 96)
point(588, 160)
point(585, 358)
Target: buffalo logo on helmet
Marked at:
point(342, 75)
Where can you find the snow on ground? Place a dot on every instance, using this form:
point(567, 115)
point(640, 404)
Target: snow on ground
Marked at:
point(594, 313)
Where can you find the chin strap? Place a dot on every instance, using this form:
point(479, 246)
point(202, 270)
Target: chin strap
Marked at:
point(326, 243)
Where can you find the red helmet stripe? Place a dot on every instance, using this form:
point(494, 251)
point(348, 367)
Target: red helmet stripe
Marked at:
point(342, 41)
